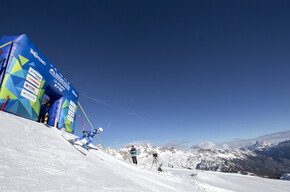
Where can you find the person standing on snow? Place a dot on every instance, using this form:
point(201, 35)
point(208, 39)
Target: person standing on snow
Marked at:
point(45, 109)
point(89, 136)
point(133, 152)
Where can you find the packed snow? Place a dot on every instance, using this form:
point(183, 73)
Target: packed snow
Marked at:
point(37, 158)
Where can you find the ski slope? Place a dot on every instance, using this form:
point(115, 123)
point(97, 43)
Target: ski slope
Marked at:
point(36, 158)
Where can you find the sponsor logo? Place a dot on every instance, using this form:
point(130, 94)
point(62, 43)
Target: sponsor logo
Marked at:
point(35, 74)
point(35, 54)
point(70, 119)
point(71, 113)
point(74, 93)
point(31, 88)
point(28, 95)
point(33, 81)
point(71, 108)
point(59, 78)
point(72, 103)
point(51, 71)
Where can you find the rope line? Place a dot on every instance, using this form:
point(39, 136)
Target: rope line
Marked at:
point(5, 44)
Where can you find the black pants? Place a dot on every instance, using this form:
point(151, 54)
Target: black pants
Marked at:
point(41, 118)
point(134, 160)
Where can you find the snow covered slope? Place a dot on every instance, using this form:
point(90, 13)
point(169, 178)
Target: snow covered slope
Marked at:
point(36, 158)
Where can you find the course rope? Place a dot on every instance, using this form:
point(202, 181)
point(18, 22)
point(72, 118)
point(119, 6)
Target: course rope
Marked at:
point(5, 44)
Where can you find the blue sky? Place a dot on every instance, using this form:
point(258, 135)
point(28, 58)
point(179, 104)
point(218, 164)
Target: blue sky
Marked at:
point(163, 71)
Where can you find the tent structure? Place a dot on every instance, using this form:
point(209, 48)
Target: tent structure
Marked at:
point(28, 79)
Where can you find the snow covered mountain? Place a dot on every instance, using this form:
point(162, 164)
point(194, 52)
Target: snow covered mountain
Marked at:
point(261, 158)
point(260, 146)
point(173, 158)
point(273, 139)
point(36, 158)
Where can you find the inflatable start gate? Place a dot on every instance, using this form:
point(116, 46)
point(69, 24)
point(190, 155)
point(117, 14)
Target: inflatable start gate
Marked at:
point(26, 75)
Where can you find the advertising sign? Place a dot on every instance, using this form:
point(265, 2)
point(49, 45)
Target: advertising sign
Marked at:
point(28, 95)
point(31, 88)
point(28, 76)
point(33, 81)
point(35, 74)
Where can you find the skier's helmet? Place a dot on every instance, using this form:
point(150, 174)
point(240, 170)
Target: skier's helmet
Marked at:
point(100, 129)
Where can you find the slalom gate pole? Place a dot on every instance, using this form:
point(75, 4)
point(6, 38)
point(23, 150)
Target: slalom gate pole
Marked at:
point(55, 122)
point(86, 127)
point(5, 102)
point(89, 122)
point(81, 123)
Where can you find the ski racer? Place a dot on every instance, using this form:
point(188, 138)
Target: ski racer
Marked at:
point(133, 152)
point(88, 135)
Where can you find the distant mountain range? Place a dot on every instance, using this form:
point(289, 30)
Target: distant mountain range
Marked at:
point(273, 139)
point(262, 156)
point(267, 161)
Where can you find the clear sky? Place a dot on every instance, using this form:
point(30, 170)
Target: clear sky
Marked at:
point(165, 71)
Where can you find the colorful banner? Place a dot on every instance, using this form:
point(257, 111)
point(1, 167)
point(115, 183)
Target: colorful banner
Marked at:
point(27, 76)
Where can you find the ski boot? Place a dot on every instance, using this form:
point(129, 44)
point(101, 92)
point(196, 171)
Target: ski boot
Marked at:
point(72, 141)
point(85, 146)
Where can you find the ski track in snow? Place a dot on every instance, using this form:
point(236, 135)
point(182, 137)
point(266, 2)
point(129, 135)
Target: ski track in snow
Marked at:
point(36, 158)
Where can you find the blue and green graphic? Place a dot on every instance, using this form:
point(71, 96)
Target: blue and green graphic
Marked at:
point(26, 75)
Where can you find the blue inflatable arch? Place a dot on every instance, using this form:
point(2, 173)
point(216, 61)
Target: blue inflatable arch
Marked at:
point(28, 79)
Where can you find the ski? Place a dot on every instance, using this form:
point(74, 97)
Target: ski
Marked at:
point(74, 146)
point(77, 148)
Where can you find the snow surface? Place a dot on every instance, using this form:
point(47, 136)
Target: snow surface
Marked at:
point(36, 158)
